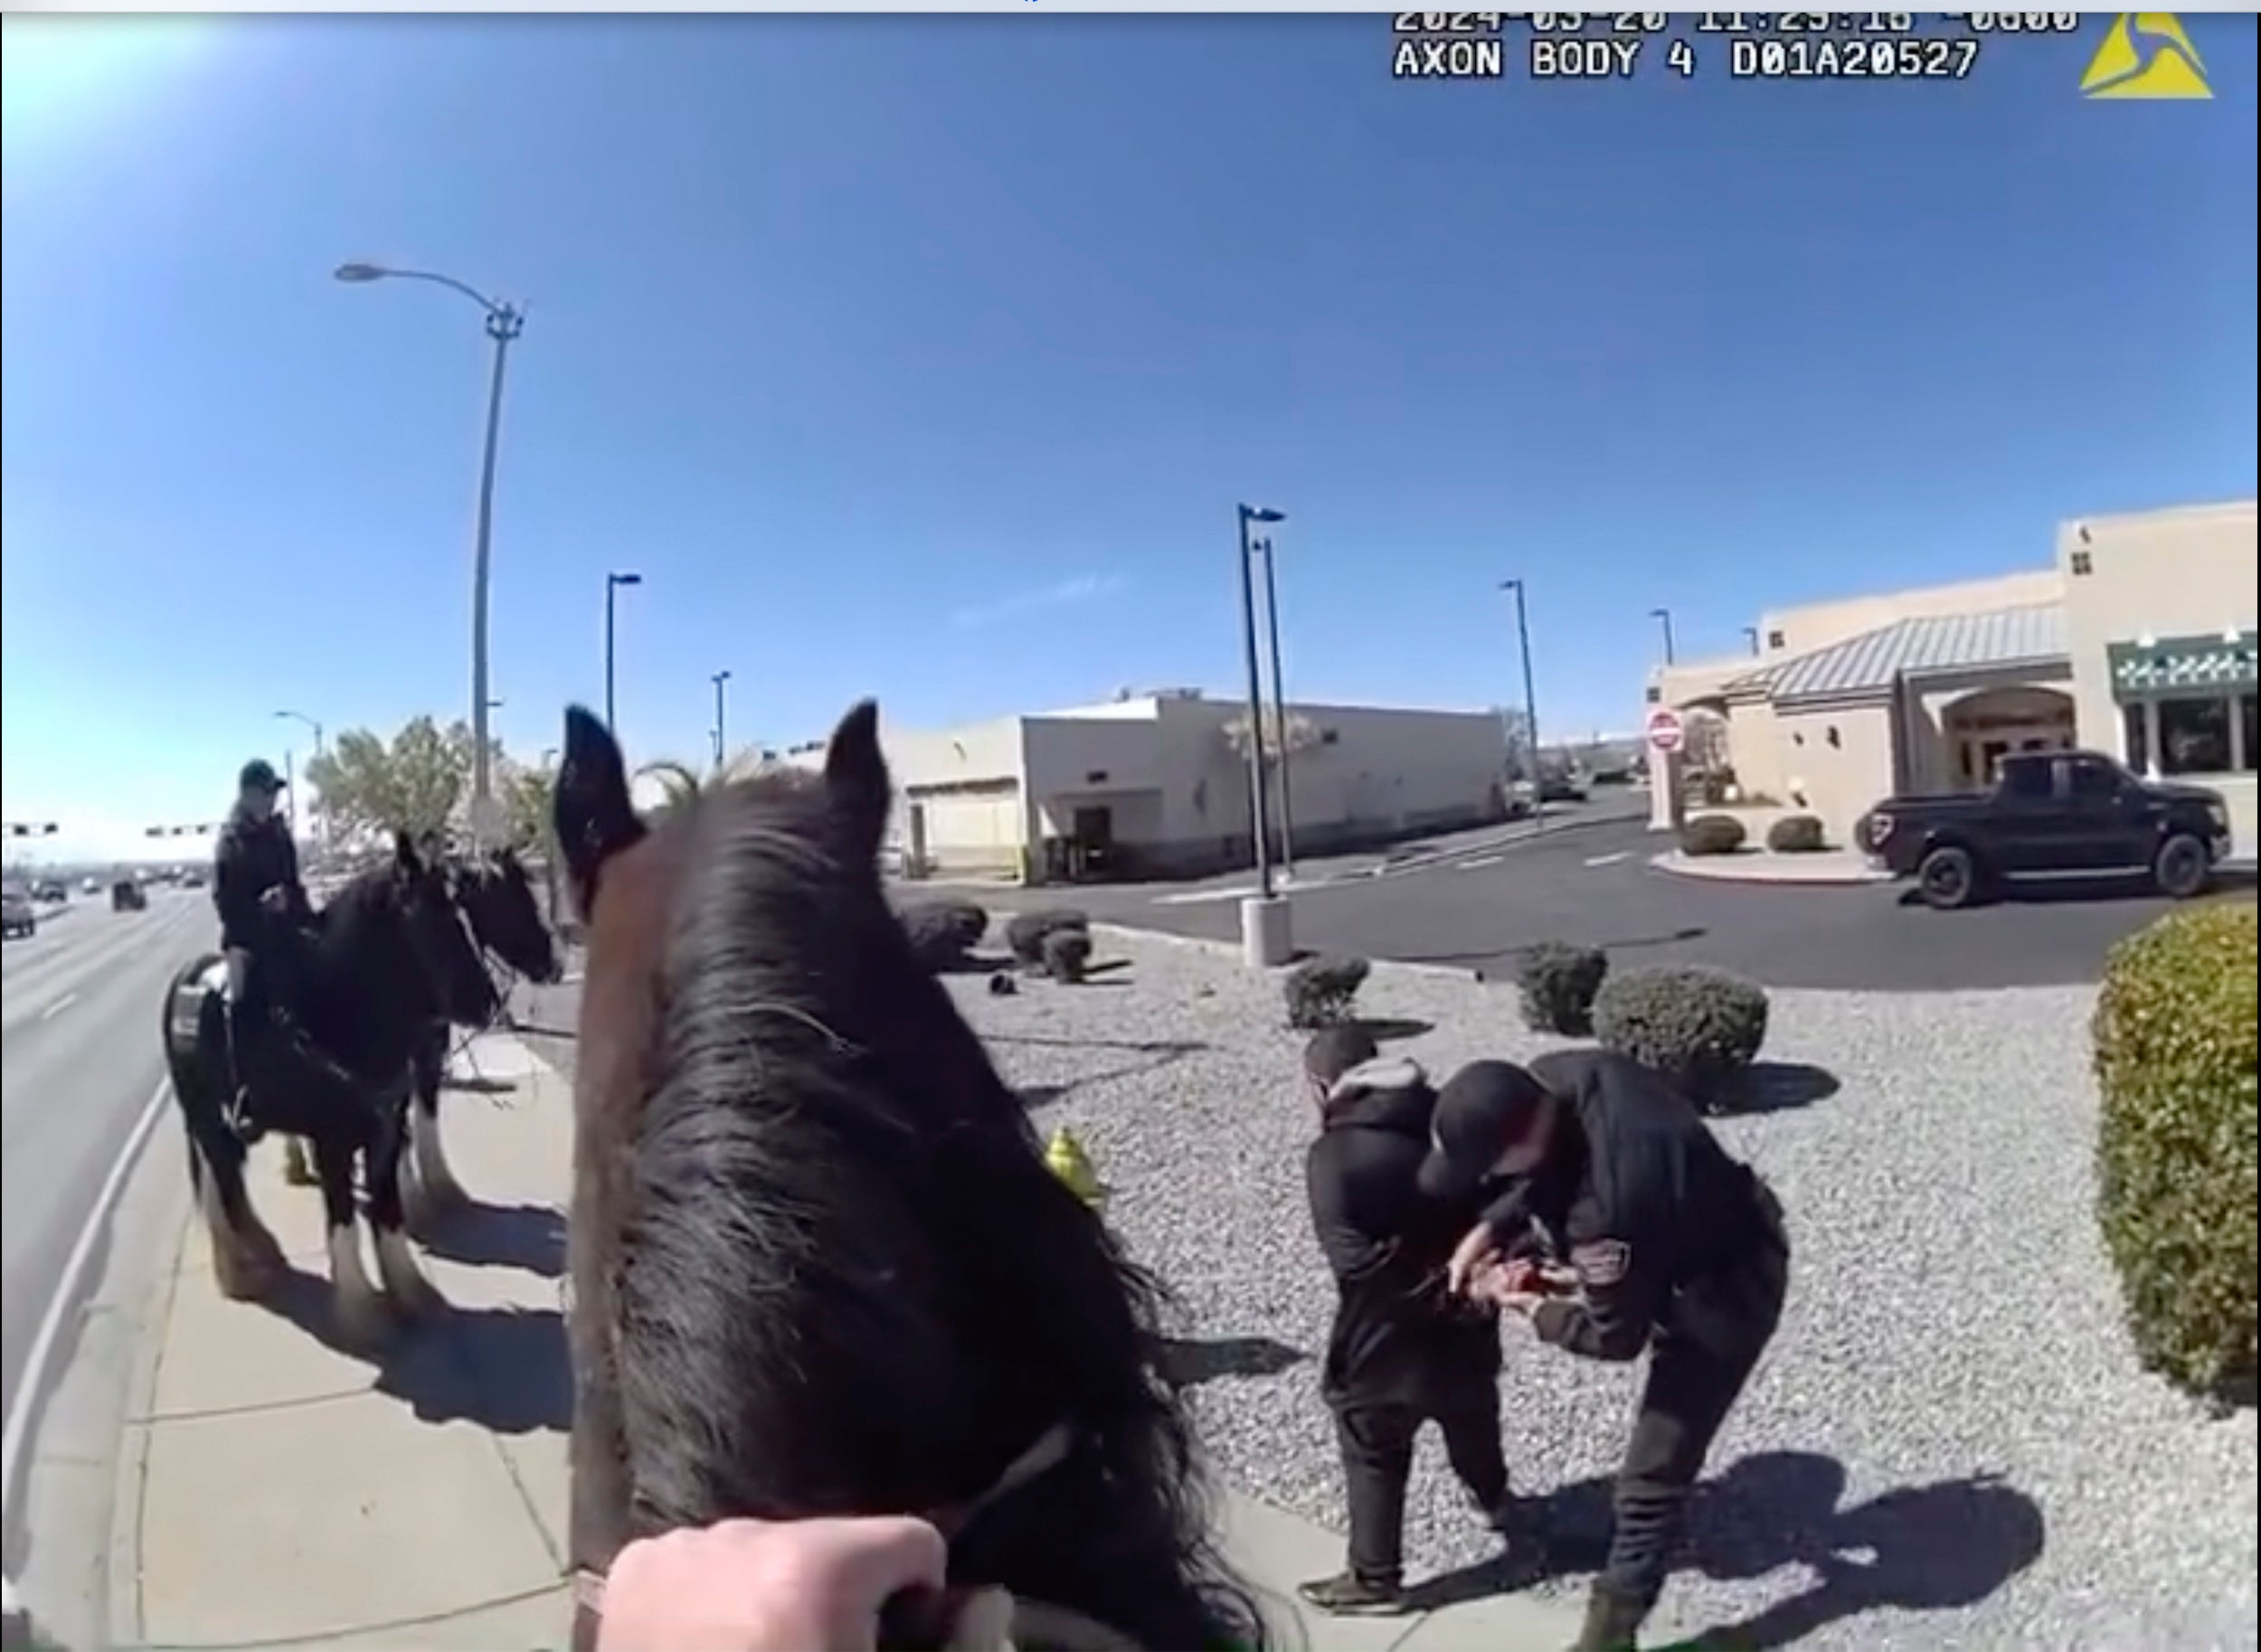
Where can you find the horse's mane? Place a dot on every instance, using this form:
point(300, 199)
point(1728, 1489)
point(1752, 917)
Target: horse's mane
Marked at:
point(844, 1281)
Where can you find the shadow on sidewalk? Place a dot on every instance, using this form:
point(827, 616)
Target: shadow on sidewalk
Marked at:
point(1920, 1548)
point(505, 1370)
point(531, 1237)
point(1190, 1361)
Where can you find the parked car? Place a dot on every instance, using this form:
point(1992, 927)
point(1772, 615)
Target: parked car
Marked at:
point(2050, 814)
point(51, 892)
point(17, 914)
point(126, 896)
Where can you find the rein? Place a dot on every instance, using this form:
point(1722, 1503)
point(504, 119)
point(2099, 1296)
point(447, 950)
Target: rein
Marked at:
point(982, 1621)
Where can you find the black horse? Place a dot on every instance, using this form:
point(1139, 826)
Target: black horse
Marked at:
point(497, 896)
point(818, 1263)
point(390, 956)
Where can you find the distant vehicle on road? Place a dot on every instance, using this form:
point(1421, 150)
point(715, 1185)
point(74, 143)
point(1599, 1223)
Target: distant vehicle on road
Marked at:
point(17, 915)
point(192, 879)
point(2050, 814)
point(129, 896)
point(52, 892)
point(1560, 789)
point(92, 886)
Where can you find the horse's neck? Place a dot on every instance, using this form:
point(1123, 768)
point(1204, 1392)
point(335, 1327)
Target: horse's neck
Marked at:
point(365, 1002)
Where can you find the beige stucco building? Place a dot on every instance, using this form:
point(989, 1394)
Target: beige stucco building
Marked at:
point(2138, 640)
point(1158, 784)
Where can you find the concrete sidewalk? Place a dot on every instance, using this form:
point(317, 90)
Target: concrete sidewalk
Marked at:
point(274, 1491)
point(1823, 868)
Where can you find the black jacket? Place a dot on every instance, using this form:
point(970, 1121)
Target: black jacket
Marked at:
point(1399, 1338)
point(1654, 1216)
point(252, 857)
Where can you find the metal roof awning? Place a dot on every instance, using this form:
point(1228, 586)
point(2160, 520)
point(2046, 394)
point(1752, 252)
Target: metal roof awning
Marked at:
point(1875, 662)
point(2164, 668)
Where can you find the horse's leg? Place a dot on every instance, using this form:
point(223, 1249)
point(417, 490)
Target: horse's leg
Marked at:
point(246, 1261)
point(429, 1185)
point(360, 1312)
point(296, 1170)
point(411, 1292)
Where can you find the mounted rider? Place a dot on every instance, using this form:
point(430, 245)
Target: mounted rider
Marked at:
point(264, 915)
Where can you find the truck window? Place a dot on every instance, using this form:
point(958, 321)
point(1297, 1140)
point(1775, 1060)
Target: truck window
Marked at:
point(2024, 779)
point(2091, 781)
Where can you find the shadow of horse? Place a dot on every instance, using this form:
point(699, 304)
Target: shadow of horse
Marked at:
point(531, 1237)
point(1913, 1549)
point(1190, 1361)
point(501, 1369)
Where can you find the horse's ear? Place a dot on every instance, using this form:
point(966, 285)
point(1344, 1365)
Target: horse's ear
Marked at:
point(855, 774)
point(591, 809)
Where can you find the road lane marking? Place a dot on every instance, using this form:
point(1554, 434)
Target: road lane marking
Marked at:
point(1610, 860)
point(48, 1341)
point(58, 1005)
point(1480, 861)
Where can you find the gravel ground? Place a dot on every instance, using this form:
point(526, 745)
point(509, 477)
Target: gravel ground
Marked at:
point(1950, 1444)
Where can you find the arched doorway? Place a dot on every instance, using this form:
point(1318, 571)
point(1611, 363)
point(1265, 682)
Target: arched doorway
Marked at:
point(1980, 730)
point(1707, 752)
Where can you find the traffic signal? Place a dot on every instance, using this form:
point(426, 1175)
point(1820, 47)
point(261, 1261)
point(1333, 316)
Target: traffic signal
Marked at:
point(32, 829)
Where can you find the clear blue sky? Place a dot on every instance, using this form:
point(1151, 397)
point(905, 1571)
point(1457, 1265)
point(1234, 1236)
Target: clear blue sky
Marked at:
point(927, 358)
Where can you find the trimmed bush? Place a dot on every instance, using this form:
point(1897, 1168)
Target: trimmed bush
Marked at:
point(1557, 982)
point(1066, 952)
point(1712, 834)
point(1797, 834)
point(2175, 1155)
point(1701, 1027)
point(1322, 992)
point(942, 932)
point(1025, 932)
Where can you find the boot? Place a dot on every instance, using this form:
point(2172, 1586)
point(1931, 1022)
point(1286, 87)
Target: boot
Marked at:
point(1613, 1622)
point(240, 1036)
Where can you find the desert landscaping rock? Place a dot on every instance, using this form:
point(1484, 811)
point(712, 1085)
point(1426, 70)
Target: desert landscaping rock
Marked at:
point(1950, 1444)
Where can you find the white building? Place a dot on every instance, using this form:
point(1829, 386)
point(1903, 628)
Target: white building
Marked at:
point(1157, 785)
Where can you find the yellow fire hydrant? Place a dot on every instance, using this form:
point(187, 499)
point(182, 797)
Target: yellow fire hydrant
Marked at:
point(1066, 1157)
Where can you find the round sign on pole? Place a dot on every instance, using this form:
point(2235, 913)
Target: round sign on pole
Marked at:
point(1667, 733)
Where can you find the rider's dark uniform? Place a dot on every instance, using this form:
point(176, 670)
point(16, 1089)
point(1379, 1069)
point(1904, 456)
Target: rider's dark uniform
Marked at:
point(254, 859)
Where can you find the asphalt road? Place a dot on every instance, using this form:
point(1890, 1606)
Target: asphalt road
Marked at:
point(78, 1062)
point(1592, 883)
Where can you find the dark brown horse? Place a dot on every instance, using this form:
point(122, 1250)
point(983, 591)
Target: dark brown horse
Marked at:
point(818, 1263)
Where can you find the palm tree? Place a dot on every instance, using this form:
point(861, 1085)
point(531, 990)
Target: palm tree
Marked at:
point(680, 783)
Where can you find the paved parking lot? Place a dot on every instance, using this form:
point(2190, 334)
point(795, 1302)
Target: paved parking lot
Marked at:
point(1593, 884)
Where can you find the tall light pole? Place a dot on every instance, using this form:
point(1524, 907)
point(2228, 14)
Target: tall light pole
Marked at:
point(1750, 636)
point(719, 679)
point(612, 584)
point(1259, 808)
point(321, 815)
point(1663, 616)
point(505, 322)
point(1530, 697)
point(1280, 713)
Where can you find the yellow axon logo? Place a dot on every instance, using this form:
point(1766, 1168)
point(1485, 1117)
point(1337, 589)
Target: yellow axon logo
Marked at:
point(2146, 54)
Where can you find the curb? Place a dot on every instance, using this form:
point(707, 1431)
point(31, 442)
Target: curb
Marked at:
point(1230, 951)
point(1670, 864)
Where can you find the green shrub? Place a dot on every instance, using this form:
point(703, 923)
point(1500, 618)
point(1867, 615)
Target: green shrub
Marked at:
point(1712, 834)
point(1025, 932)
point(1701, 1027)
point(1066, 953)
point(1557, 982)
point(1320, 992)
point(1797, 834)
point(2175, 1176)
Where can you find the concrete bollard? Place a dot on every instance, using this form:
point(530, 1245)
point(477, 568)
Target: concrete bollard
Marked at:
point(1267, 937)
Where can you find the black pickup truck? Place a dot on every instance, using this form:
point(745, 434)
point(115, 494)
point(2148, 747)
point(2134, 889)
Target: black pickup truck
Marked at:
point(2052, 814)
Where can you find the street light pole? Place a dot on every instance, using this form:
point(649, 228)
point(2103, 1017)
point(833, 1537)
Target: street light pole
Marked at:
point(719, 679)
point(1663, 616)
point(1280, 715)
point(320, 819)
point(504, 323)
point(1259, 808)
point(1530, 698)
point(612, 584)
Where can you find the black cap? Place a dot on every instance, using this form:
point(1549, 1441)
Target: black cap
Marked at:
point(1335, 1051)
point(1483, 1109)
point(259, 775)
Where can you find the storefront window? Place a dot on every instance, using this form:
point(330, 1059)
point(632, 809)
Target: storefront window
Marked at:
point(2247, 703)
point(2194, 736)
point(2135, 732)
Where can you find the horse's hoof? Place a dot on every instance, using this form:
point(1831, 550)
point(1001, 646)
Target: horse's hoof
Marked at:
point(409, 1294)
point(364, 1323)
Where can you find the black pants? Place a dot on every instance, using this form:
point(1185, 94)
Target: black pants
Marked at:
point(1698, 1366)
point(1378, 1447)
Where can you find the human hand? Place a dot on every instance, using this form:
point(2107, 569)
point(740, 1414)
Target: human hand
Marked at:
point(1476, 1253)
point(275, 901)
point(765, 1586)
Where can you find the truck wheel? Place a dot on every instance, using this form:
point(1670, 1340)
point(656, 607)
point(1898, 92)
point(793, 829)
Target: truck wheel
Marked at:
point(2180, 868)
point(1947, 878)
